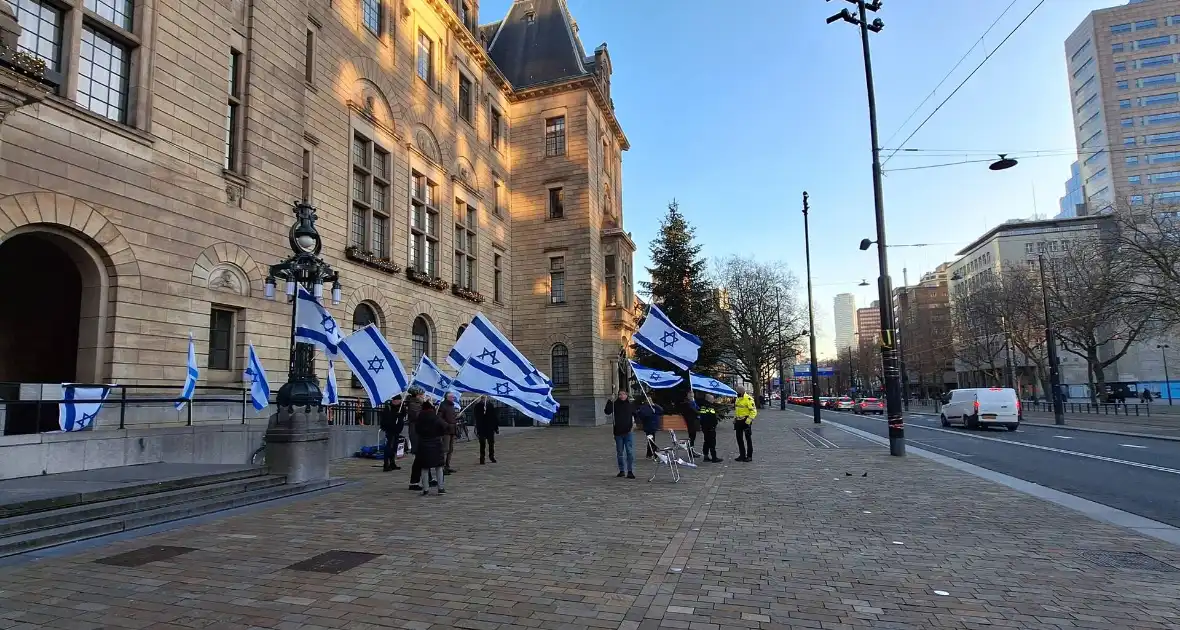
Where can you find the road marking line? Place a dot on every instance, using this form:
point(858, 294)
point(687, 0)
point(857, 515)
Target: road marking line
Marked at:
point(939, 448)
point(1101, 458)
point(1132, 446)
point(1063, 437)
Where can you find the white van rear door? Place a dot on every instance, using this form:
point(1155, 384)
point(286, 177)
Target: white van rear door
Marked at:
point(997, 402)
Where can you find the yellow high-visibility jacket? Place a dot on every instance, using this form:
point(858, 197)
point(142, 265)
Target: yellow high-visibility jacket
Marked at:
point(745, 409)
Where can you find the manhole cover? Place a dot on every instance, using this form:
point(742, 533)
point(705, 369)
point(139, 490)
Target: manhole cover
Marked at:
point(1128, 560)
point(140, 557)
point(334, 562)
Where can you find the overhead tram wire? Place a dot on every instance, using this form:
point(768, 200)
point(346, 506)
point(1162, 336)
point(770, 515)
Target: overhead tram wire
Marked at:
point(949, 73)
point(964, 81)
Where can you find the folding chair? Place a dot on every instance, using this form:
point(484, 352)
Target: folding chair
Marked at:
point(692, 462)
point(664, 457)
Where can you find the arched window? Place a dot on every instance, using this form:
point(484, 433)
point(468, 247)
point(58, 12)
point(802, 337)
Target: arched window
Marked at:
point(419, 340)
point(460, 332)
point(560, 365)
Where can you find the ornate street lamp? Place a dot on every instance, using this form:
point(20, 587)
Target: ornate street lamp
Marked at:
point(305, 268)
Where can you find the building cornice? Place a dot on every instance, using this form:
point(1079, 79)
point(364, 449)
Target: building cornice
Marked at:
point(470, 44)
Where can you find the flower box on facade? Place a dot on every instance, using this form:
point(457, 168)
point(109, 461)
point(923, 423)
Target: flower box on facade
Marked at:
point(352, 252)
point(438, 284)
point(467, 294)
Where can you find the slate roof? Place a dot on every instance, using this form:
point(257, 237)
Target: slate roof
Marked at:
point(536, 44)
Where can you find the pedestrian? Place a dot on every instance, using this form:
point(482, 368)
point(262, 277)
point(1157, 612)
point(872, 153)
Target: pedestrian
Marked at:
point(743, 419)
point(393, 420)
point(624, 412)
point(487, 425)
point(649, 415)
point(689, 409)
point(431, 457)
point(708, 419)
point(448, 410)
point(413, 405)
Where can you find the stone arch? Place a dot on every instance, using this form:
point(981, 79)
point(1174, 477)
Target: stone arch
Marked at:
point(98, 261)
point(432, 345)
point(375, 299)
point(427, 144)
point(55, 209)
point(367, 70)
point(466, 173)
point(219, 265)
point(371, 99)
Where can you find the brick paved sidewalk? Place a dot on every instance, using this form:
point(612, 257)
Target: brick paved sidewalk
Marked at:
point(549, 538)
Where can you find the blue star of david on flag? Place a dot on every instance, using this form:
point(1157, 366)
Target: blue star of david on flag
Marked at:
point(477, 377)
point(659, 336)
point(314, 324)
point(256, 376)
point(80, 406)
point(503, 389)
point(488, 356)
point(382, 377)
point(655, 379)
point(376, 364)
point(328, 324)
point(712, 386)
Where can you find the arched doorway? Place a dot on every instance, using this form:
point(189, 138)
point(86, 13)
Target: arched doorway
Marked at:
point(52, 316)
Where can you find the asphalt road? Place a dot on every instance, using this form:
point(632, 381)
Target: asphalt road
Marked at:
point(1137, 475)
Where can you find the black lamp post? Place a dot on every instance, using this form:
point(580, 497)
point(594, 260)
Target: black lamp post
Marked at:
point(1163, 348)
point(811, 317)
point(304, 268)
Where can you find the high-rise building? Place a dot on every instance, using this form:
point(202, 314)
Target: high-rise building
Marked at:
point(844, 309)
point(455, 168)
point(1073, 203)
point(1123, 67)
point(868, 323)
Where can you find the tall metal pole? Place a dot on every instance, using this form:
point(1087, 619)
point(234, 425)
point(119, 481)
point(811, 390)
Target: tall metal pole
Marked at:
point(1167, 380)
point(903, 339)
point(1051, 344)
point(811, 316)
point(889, 357)
point(782, 377)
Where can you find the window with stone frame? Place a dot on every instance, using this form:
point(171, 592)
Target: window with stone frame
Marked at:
point(466, 98)
point(41, 35)
point(498, 278)
point(559, 359)
point(306, 182)
point(423, 254)
point(309, 54)
point(425, 59)
point(371, 171)
point(233, 114)
point(611, 278)
point(466, 222)
point(557, 280)
point(498, 200)
point(556, 204)
point(371, 14)
point(221, 338)
point(555, 136)
point(495, 120)
point(419, 340)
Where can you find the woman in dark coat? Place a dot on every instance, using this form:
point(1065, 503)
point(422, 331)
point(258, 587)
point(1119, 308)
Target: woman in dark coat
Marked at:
point(430, 456)
point(487, 425)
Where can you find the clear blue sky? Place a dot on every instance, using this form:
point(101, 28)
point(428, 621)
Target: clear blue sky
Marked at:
point(736, 112)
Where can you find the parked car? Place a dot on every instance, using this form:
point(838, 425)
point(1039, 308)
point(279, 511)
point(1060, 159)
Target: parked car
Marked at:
point(870, 405)
point(982, 407)
point(843, 403)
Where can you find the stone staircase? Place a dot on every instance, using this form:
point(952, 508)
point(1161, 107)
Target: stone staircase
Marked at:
point(63, 516)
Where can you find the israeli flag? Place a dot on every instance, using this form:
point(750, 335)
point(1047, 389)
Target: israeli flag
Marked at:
point(374, 363)
point(664, 339)
point(331, 393)
point(255, 374)
point(534, 401)
point(431, 380)
point(712, 386)
point(314, 324)
point(482, 340)
point(80, 406)
point(655, 379)
point(191, 376)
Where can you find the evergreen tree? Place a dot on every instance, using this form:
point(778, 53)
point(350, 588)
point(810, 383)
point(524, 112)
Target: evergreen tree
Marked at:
point(680, 285)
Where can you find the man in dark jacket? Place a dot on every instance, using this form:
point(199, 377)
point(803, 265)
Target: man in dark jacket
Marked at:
point(413, 405)
point(709, 418)
point(487, 425)
point(624, 412)
point(690, 410)
point(393, 419)
point(649, 415)
point(430, 456)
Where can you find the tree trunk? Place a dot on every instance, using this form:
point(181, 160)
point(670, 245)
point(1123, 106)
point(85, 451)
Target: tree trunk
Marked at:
point(1099, 371)
point(1090, 377)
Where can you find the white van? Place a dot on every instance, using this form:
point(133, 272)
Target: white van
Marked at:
point(982, 407)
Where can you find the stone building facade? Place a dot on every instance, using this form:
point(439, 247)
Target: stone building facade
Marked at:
point(456, 168)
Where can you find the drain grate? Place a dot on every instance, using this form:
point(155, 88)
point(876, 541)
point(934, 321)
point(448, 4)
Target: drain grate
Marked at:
point(140, 557)
point(1128, 560)
point(334, 562)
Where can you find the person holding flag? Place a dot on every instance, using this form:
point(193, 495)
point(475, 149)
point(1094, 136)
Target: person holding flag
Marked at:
point(487, 425)
point(393, 418)
point(623, 409)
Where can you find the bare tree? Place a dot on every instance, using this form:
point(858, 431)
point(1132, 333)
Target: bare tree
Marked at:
point(763, 318)
point(1022, 317)
point(976, 327)
point(1093, 313)
point(1147, 238)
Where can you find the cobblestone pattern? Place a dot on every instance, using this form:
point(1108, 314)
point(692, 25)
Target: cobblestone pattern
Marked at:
point(549, 538)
